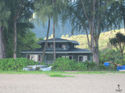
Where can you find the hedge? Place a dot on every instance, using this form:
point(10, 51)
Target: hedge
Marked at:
point(10, 64)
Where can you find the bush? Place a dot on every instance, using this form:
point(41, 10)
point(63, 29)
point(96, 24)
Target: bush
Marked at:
point(10, 64)
point(91, 65)
point(81, 66)
point(64, 64)
point(110, 55)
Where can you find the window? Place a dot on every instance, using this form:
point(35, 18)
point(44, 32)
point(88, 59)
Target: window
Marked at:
point(34, 57)
point(64, 46)
point(70, 57)
point(60, 45)
point(82, 58)
point(66, 56)
point(63, 56)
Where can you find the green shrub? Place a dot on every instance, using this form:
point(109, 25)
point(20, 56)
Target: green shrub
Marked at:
point(91, 65)
point(64, 64)
point(10, 64)
point(110, 55)
point(81, 66)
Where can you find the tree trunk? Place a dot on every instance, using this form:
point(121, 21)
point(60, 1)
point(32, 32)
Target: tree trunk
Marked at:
point(124, 23)
point(94, 36)
point(1, 44)
point(4, 53)
point(95, 52)
point(47, 35)
point(54, 44)
point(15, 39)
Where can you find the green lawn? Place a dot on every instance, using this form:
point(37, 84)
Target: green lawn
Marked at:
point(59, 72)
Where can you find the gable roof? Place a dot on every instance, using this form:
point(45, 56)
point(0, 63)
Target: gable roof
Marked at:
point(59, 40)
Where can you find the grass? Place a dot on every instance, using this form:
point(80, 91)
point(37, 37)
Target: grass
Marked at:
point(49, 73)
point(30, 72)
point(59, 72)
point(60, 75)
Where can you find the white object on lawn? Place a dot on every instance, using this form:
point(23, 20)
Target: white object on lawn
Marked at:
point(46, 69)
point(34, 67)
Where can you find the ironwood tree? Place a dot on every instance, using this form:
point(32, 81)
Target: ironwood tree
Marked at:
point(4, 15)
point(90, 17)
point(20, 10)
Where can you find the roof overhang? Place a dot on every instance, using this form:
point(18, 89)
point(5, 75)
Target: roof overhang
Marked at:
point(58, 52)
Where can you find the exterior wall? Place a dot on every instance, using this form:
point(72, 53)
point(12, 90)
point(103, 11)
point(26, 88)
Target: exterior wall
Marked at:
point(48, 59)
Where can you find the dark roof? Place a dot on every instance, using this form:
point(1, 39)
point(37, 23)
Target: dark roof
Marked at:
point(59, 40)
point(75, 50)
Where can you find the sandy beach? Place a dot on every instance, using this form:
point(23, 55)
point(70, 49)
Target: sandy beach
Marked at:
point(80, 83)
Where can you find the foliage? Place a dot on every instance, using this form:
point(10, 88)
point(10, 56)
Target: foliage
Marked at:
point(63, 64)
point(45, 9)
point(10, 64)
point(117, 11)
point(25, 38)
point(4, 13)
point(90, 17)
point(110, 55)
point(119, 43)
point(28, 42)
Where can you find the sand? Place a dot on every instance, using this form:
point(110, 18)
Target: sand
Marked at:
point(80, 83)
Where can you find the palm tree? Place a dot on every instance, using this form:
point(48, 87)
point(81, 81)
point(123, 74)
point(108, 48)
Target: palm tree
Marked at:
point(47, 36)
point(46, 9)
point(43, 10)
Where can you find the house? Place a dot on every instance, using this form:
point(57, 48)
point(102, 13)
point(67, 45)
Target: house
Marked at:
point(64, 48)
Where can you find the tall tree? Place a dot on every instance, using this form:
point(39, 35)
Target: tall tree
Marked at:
point(43, 11)
point(19, 9)
point(91, 17)
point(50, 9)
point(47, 36)
point(4, 14)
